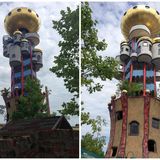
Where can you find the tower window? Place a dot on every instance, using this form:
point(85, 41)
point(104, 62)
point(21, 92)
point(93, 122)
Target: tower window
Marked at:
point(19, 9)
point(157, 12)
point(119, 115)
point(9, 13)
point(139, 49)
point(13, 55)
point(134, 128)
point(38, 58)
point(155, 123)
point(29, 10)
point(127, 49)
point(134, 7)
point(150, 47)
point(151, 146)
point(114, 151)
point(147, 6)
point(145, 44)
point(158, 51)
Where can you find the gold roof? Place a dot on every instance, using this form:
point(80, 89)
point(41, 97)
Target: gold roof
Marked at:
point(157, 39)
point(141, 15)
point(37, 50)
point(17, 32)
point(124, 43)
point(145, 38)
point(24, 40)
point(21, 17)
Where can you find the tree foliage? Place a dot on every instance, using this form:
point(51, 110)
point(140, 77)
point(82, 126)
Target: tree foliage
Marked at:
point(133, 88)
point(32, 105)
point(66, 64)
point(93, 65)
point(93, 141)
point(92, 144)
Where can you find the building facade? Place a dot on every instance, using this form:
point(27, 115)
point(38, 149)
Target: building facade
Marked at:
point(19, 46)
point(135, 122)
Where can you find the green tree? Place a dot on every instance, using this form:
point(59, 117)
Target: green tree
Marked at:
point(133, 89)
point(66, 64)
point(32, 105)
point(93, 65)
point(93, 141)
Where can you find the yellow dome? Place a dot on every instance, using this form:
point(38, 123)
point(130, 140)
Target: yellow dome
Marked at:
point(141, 15)
point(21, 17)
point(37, 50)
point(145, 38)
point(157, 39)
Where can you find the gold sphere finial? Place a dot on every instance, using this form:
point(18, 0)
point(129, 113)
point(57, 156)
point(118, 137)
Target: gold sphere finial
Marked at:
point(21, 18)
point(141, 15)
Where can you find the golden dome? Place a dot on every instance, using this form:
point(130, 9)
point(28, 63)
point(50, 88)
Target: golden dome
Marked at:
point(21, 18)
point(145, 38)
point(124, 43)
point(37, 50)
point(157, 39)
point(24, 40)
point(17, 32)
point(141, 15)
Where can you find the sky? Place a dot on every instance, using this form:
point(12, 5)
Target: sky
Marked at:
point(108, 15)
point(49, 39)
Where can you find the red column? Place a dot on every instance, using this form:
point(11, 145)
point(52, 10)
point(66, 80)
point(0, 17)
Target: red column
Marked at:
point(123, 72)
point(111, 108)
point(155, 92)
point(146, 126)
point(122, 145)
point(11, 81)
point(131, 73)
point(22, 76)
point(144, 79)
point(31, 62)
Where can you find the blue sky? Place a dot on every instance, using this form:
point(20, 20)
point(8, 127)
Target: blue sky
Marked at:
point(108, 15)
point(49, 39)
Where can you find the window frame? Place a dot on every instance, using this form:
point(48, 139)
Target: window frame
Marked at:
point(132, 131)
point(154, 144)
point(145, 44)
point(155, 120)
point(118, 115)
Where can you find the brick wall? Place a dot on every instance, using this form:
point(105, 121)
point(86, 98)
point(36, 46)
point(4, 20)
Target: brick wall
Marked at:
point(57, 143)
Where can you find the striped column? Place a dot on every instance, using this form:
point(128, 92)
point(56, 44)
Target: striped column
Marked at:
point(22, 76)
point(131, 72)
point(123, 72)
point(155, 91)
point(122, 145)
point(111, 108)
point(146, 126)
point(31, 61)
point(144, 79)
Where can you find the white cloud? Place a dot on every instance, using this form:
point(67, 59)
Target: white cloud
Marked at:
point(49, 39)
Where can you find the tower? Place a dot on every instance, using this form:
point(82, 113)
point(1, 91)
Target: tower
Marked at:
point(135, 120)
point(22, 25)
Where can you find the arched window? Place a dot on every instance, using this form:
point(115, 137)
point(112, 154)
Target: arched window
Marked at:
point(151, 145)
point(114, 151)
point(134, 128)
point(119, 115)
point(155, 123)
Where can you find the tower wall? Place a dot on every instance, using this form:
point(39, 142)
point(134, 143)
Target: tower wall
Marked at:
point(134, 145)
